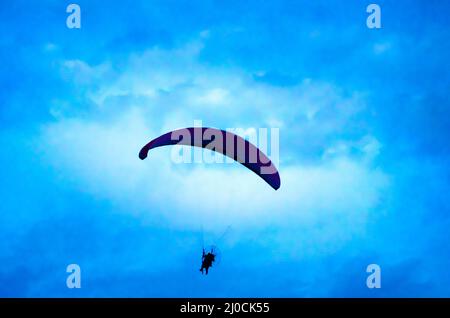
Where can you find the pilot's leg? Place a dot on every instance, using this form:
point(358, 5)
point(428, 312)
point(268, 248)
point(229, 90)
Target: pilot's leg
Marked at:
point(206, 270)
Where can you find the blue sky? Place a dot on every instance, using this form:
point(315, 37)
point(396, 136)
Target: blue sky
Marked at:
point(364, 155)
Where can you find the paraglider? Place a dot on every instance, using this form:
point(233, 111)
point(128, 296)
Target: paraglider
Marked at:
point(210, 256)
point(228, 144)
point(207, 260)
point(224, 142)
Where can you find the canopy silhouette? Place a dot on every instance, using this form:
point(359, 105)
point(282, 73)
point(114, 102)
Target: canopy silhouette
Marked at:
point(224, 142)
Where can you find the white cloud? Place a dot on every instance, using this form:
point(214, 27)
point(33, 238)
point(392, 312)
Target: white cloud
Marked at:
point(82, 73)
point(215, 96)
point(174, 81)
point(381, 47)
point(326, 201)
point(50, 47)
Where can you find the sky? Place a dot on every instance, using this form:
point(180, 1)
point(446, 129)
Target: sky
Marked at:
point(363, 117)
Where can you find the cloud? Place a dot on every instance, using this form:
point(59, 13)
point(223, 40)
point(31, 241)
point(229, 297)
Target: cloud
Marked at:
point(329, 199)
point(381, 48)
point(173, 88)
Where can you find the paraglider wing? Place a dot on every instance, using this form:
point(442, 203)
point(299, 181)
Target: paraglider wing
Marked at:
point(224, 142)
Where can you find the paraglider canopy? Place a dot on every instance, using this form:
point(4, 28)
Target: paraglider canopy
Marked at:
point(224, 142)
